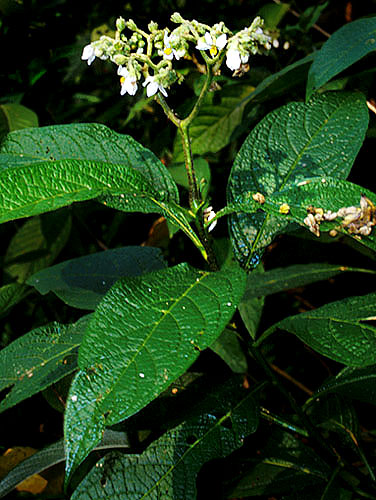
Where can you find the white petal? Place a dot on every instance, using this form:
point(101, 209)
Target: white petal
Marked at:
point(148, 80)
point(244, 58)
point(123, 72)
point(152, 88)
point(201, 45)
point(233, 59)
point(162, 90)
point(208, 39)
point(221, 41)
point(88, 54)
point(132, 87)
point(166, 39)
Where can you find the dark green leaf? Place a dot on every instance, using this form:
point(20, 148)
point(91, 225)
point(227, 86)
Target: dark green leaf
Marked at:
point(168, 467)
point(227, 346)
point(294, 142)
point(354, 383)
point(90, 141)
point(281, 82)
point(38, 359)
point(345, 47)
point(144, 334)
point(285, 278)
point(82, 282)
point(272, 14)
point(340, 330)
point(36, 245)
point(10, 295)
point(326, 193)
point(284, 465)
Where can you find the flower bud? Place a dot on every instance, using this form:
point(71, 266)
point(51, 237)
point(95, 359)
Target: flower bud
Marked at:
point(176, 18)
point(152, 26)
point(130, 24)
point(119, 59)
point(120, 24)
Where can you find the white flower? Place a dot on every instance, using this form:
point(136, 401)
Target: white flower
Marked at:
point(168, 51)
point(88, 54)
point(128, 82)
point(234, 60)
point(152, 87)
point(211, 43)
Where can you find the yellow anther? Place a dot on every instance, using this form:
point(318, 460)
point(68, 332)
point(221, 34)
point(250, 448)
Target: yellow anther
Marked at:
point(213, 51)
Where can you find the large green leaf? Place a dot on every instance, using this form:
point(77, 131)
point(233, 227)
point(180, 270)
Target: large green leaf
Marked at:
point(285, 278)
point(216, 121)
point(283, 465)
point(88, 141)
point(345, 47)
point(52, 455)
point(326, 193)
point(354, 383)
point(82, 282)
point(38, 359)
point(168, 467)
point(341, 330)
point(291, 143)
point(144, 334)
point(281, 82)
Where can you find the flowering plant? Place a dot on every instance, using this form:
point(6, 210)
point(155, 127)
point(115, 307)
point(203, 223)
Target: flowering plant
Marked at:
point(145, 321)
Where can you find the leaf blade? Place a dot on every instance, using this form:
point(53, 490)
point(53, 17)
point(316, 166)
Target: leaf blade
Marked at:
point(168, 318)
point(277, 154)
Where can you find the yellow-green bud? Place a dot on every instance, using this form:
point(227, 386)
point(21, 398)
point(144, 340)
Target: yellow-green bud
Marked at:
point(119, 59)
point(120, 24)
point(152, 26)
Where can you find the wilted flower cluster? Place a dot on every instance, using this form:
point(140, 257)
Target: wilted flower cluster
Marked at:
point(136, 56)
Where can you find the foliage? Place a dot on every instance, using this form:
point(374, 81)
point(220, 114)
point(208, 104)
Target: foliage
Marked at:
point(223, 352)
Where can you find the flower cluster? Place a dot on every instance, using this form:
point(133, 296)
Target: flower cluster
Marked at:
point(135, 56)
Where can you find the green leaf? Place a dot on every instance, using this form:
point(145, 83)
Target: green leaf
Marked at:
point(272, 14)
point(203, 174)
point(52, 455)
point(344, 48)
point(44, 186)
point(329, 194)
point(228, 348)
point(251, 306)
point(354, 383)
point(285, 278)
point(36, 244)
point(168, 467)
point(283, 465)
point(337, 415)
point(10, 295)
point(82, 282)
point(144, 334)
point(15, 116)
point(94, 142)
point(38, 359)
point(340, 330)
point(281, 82)
point(216, 121)
point(291, 143)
